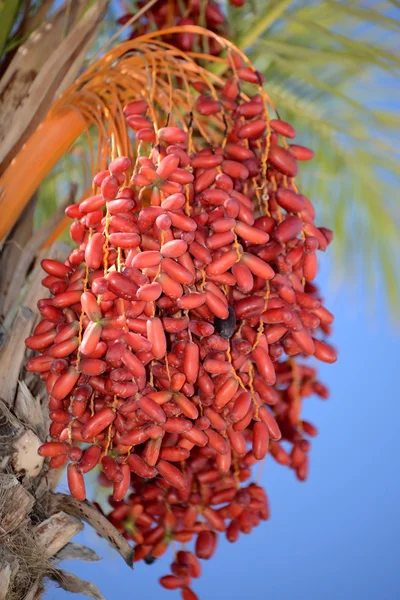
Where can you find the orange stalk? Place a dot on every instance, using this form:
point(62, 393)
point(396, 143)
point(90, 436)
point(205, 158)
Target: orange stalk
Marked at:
point(28, 169)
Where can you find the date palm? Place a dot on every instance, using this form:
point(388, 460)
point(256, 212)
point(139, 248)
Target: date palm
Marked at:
point(326, 64)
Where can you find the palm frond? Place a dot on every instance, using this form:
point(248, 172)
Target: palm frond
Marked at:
point(366, 14)
point(264, 23)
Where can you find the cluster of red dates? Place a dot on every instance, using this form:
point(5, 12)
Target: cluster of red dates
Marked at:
point(173, 343)
point(167, 13)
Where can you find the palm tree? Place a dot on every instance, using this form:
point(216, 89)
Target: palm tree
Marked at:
point(326, 66)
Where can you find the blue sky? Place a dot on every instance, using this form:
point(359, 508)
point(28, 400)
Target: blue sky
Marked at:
point(335, 536)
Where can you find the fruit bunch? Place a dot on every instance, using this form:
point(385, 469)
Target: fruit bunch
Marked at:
point(164, 14)
point(173, 318)
point(173, 345)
